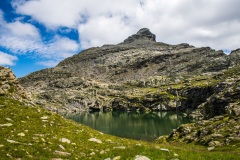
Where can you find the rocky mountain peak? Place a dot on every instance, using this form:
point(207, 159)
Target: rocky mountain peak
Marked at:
point(142, 34)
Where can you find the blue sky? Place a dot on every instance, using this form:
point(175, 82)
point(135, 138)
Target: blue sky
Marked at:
point(37, 34)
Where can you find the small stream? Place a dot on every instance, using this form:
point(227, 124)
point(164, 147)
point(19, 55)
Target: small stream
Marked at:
point(135, 125)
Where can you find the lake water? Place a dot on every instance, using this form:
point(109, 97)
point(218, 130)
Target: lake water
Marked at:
point(134, 125)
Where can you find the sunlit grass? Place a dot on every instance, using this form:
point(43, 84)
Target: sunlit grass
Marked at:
point(37, 134)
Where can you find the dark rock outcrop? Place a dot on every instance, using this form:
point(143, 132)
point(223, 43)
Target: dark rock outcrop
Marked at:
point(9, 85)
point(142, 34)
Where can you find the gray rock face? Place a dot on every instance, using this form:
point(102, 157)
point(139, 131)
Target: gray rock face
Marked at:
point(137, 74)
point(9, 84)
point(235, 56)
point(142, 34)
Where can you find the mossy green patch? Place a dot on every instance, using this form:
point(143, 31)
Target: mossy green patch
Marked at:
point(36, 133)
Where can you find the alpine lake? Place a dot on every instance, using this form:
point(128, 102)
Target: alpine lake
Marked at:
point(134, 125)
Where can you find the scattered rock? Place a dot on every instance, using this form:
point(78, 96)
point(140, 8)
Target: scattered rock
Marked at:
point(120, 147)
point(117, 158)
point(95, 140)
point(175, 155)
point(39, 135)
point(210, 148)
point(9, 119)
point(138, 157)
point(1, 145)
point(62, 153)
point(165, 150)
point(65, 140)
point(6, 125)
point(61, 147)
point(44, 118)
point(91, 154)
point(21, 134)
point(214, 144)
point(12, 141)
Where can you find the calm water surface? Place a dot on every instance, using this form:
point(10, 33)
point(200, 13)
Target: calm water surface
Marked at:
point(135, 125)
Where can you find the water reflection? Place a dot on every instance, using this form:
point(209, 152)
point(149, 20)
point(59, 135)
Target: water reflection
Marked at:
point(135, 125)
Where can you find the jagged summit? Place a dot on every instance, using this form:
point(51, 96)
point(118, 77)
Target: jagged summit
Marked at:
point(142, 34)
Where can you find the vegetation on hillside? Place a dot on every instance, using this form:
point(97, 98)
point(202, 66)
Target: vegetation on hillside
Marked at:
point(31, 132)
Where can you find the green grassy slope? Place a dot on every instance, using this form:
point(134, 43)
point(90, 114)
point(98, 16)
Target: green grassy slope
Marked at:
point(28, 132)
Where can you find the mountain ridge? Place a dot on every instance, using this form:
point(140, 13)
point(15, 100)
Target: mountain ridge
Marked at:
point(125, 75)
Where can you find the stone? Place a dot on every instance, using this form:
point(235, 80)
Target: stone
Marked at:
point(62, 153)
point(1, 145)
point(95, 140)
point(61, 147)
point(44, 118)
point(117, 158)
point(6, 125)
point(214, 144)
point(2, 106)
point(92, 153)
point(217, 135)
point(9, 119)
point(165, 150)
point(120, 147)
point(175, 155)
point(138, 157)
point(65, 140)
point(21, 134)
point(210, 148)
point(12, 141)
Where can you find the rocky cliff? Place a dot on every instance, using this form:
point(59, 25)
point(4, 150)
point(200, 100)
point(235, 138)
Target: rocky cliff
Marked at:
point(137, 74)
point(9, 85)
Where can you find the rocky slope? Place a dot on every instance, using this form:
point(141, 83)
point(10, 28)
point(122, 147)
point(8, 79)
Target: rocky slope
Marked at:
point(137, 74)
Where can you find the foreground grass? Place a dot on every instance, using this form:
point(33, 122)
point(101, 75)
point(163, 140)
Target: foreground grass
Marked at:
point(35, 133)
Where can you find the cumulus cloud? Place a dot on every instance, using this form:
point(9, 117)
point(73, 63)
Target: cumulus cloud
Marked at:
point(48, 63)
point(7, 59)
point(201, 23)
point(23, 30)
point(24, 38)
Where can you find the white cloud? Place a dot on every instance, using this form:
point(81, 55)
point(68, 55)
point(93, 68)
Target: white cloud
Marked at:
point(7, 59)
point(23, 29)
point(201, 23)
point(54, 13)
point(103, 30)
point(48, 63)
point(24, 38)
